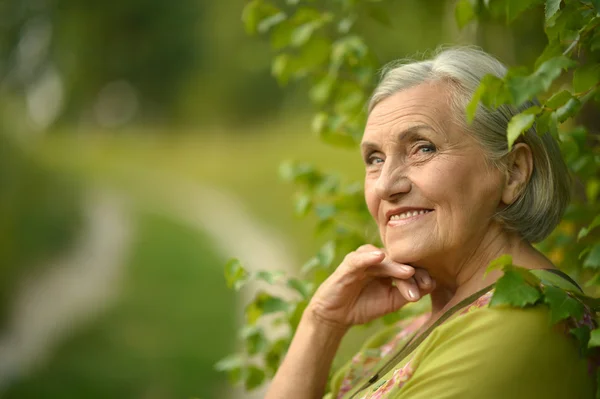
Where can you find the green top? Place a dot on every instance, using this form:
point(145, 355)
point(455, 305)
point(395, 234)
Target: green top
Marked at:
point(480, 352)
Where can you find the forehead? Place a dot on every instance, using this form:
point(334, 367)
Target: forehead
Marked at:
point(426, 104)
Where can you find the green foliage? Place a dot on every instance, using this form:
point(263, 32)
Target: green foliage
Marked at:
point(562, 305)
point(40, 215)
point(520, 287)
point(320, 46)
point(513, 289)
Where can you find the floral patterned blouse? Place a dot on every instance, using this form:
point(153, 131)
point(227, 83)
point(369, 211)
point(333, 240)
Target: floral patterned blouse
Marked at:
point(479, 352)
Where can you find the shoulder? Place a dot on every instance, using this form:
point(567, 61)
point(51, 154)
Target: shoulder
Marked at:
point(498, 352)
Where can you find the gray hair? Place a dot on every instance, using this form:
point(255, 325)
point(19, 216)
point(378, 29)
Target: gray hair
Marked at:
point(541, 204)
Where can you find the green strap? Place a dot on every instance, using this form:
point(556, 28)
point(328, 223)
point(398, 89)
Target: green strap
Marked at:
point(411, 345)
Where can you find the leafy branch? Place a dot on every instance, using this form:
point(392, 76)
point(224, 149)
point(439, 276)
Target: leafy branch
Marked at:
point(317, 43)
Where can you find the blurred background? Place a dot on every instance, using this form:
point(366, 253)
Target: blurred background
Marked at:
point(139, 148)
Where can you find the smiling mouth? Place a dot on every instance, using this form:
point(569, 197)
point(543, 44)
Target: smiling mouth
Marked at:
point(409, 214)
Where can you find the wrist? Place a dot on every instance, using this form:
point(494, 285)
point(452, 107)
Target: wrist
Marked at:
point(313, 320)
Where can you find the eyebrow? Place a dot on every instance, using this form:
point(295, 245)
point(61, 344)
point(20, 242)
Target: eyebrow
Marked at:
point(404, 135)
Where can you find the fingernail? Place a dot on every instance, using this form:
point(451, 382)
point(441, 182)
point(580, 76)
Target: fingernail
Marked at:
point(412, 294)
point(376, 253)
point(406, 269)
point(426, 280)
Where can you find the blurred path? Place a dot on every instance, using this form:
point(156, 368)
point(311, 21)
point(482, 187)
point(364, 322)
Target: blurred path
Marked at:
point(69, 291)
point(236, 233)
point(74, 289)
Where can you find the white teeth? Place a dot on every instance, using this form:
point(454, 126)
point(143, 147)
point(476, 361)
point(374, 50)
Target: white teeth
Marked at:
point(406, 215)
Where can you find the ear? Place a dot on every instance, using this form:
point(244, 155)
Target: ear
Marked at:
point(518, 172)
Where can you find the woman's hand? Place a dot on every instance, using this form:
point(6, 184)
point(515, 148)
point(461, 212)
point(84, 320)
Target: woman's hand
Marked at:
point(361, 289)
point(358, 291)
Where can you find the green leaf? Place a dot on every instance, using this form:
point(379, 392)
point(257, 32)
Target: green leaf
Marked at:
point(302, 34)
point(464, 13)
point(491, 92)
point(275, 354)
point(593, 258)
point(594, 339)
point(568, 110)
point(325, 211)
point(263, 304)
point(304, 288)
point(348, 49)
point(321, 91)
point(558, 99)
point(266, 24)
point(272, 304)
point(281, 68)
point(231, 362)
point(517, 125)
point(312, 264)
point(299, 173)
point(553, 49)
point(254, 336)
point(302, 204)
point(326, 254)
point(281, 35)
point(583, 336)
point(595, 42)
point(583, 253)
point(346, 24)
point(583, 233)
point(254, 378)
point(235, 275)
point(499, 263)
point(592, 189)
point(586, 77)
point(563, 21)
point(512, 289)
point(523, 88)
point(592, 303)
point(233, 365)
point(255, 12)
point(270, 277)
point(562, 305)
point(552, 6)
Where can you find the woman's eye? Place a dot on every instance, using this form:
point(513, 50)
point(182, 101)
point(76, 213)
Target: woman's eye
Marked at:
point(426, 148)
point(374, 160)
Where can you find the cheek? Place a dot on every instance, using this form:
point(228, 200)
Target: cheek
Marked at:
point(463, 189)
point(371, 198)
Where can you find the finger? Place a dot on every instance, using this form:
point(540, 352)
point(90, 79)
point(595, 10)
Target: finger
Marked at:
point(368, 248)
point(424, 280)
point(355, 261)
point(391, 269)
point(409, 289)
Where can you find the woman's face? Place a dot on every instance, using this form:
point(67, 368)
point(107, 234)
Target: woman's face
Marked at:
point(427, 182)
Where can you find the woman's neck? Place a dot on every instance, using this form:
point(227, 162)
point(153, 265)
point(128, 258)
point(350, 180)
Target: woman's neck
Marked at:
point(468, 276)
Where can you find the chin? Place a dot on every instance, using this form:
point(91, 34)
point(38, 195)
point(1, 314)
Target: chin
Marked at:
point(407, 254)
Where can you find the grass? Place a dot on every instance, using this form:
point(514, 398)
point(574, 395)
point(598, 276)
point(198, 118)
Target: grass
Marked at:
point(173, 321)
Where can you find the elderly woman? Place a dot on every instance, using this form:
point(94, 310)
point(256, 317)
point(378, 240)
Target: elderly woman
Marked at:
point(448, 197)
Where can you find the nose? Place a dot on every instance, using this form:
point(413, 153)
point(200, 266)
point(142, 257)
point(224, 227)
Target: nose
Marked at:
point(392, 182)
